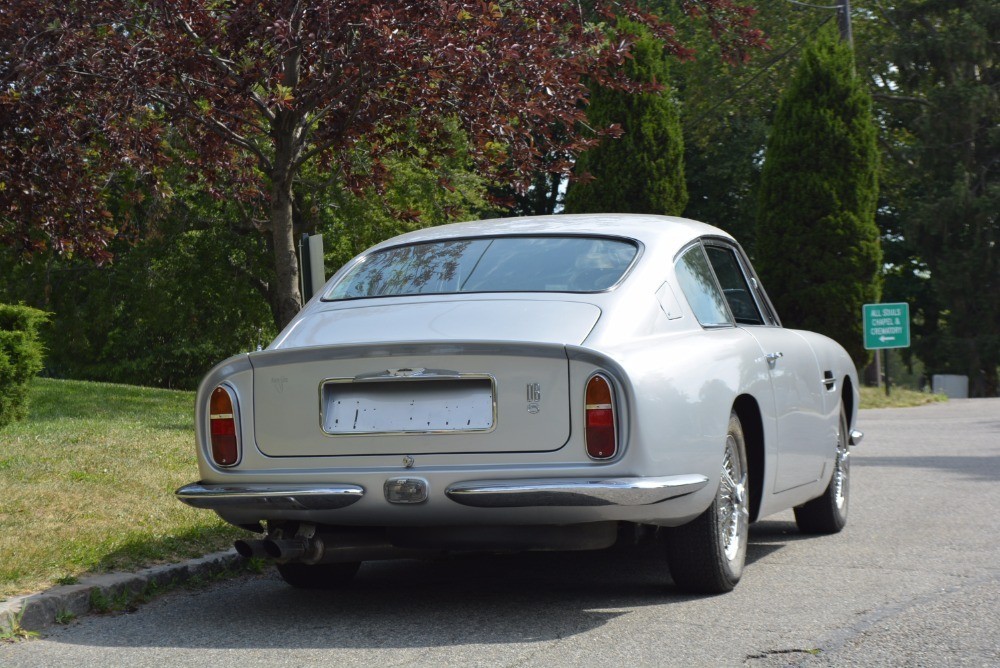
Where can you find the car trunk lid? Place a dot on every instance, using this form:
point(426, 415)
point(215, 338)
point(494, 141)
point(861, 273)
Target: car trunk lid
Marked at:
point(411, 398)
point(500, 319)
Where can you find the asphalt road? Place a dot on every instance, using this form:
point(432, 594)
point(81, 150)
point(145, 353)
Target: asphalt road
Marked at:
point(914, 580)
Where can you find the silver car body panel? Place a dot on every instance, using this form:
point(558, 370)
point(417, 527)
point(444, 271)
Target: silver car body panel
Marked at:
point(441, 318)
point(288, 393)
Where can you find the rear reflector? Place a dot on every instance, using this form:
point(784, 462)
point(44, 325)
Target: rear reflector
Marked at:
point(601, 427)
point(222, 427)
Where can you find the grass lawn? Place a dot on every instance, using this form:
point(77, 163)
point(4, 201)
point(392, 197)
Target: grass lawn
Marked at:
point(874, 397)
point(87, 482)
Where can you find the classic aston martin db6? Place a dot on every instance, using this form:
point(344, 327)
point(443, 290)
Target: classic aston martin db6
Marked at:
point(544, 383)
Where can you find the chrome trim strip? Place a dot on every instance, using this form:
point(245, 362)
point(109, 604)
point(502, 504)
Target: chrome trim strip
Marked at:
point(856, 437)
point(404, 373)
point(270, 497)
point(573, 491)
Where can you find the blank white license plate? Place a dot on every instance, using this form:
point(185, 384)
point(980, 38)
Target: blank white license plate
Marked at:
point(408, 406)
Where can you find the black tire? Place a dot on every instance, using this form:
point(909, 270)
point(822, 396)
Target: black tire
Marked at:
point(707, 555)
point(318, 576)
point(828, 513)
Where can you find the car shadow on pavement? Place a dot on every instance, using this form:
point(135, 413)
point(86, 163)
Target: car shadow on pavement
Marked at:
point(769, 536)
point(484, 598)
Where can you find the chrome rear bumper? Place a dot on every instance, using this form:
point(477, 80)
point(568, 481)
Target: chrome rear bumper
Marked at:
point(543, 492)
point(270, 497)
point(573, 491)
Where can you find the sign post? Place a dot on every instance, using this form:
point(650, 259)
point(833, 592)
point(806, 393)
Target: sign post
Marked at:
point(886, 326)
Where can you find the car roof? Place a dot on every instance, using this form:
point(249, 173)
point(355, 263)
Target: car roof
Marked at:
point(652, 230)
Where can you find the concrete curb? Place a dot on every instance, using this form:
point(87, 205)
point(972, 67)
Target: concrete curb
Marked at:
point(35, 612)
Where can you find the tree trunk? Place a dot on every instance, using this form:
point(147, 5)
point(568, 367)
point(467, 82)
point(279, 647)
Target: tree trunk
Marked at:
point(286, 296)
point(287, 299)
point(991, 385)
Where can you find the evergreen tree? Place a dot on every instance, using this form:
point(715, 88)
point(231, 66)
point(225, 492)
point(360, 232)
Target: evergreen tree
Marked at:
point(936, 70)
point(728, 111)
point(643, 170)
point(818, 246)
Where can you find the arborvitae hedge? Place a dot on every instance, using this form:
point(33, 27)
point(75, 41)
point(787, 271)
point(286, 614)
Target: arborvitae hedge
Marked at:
point(20, 358)
point(818, 248)
point(643, 170)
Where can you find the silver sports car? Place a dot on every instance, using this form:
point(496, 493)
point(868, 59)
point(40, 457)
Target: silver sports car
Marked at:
point(549, 383)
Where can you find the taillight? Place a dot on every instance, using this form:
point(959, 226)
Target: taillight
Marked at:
point(222, 426)
point(601, 432)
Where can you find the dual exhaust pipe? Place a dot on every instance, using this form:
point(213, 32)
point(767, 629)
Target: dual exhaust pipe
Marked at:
point(306, 550)
point(309, 547)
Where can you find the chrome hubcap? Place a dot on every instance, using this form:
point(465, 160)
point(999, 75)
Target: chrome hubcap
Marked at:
point(734, 513)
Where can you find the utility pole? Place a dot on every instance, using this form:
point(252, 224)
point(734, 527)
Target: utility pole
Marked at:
point(844, 21)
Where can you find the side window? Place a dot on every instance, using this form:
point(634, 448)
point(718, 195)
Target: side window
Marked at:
point(734, 285)
point(699, 286)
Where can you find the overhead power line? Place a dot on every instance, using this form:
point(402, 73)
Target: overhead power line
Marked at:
point(843, 13)
point(806, 4)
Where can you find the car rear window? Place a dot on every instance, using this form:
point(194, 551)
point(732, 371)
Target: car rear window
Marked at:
point(492, 264)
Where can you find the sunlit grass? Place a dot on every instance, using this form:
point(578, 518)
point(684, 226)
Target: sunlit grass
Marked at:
point(874, 397)
point(87, 482)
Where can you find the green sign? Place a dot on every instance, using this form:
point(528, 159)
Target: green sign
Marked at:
point(886, 325)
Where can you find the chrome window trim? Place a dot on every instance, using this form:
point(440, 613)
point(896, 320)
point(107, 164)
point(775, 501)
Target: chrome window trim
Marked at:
point(768, 313)
point(751, 283)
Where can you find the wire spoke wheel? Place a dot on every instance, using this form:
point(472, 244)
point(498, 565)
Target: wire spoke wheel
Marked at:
point(707, 554)
point(841, 472)
point(828, 513)
point(734, 512)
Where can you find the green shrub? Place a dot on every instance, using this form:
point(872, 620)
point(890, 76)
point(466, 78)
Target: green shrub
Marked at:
point(20, 358)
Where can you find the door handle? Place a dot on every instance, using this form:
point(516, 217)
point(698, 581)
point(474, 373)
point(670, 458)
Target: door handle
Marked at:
point(772, 358)
point(829, 382)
